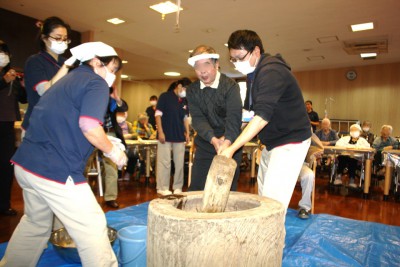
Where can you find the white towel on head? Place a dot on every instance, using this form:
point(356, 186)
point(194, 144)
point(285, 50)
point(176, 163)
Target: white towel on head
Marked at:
point(192, 60)
point(87, 51)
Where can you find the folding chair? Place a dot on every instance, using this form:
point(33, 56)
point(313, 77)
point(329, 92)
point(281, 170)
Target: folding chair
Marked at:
point(95, 170)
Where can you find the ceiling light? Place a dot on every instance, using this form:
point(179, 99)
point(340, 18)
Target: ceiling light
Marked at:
point(171, 73)
point(116, 21)
point(191, 51)
point(124, 76)
point(165, 7)
point(124, 61)
point(226, 44)
point(366, 55)
point(362, 26)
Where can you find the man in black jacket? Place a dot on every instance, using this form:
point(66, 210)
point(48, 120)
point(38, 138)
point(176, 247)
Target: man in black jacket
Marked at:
point(280, 120)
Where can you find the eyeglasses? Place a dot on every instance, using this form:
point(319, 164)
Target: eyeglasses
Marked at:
point(234, 60)
point(61, 39)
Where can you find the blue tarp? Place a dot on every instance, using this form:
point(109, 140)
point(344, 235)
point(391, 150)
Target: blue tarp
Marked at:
point(322, 240)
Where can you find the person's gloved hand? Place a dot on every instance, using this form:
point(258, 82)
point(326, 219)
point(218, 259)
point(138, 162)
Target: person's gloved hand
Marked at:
point(70, 62)
point(118, 156)
point(117, 142)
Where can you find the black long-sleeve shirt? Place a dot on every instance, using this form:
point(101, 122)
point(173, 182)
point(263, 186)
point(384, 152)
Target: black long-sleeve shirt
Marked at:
point(10, 95)
point(276, 97)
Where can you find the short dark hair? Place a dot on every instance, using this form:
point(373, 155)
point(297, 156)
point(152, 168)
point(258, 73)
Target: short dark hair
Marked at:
point(308, 101)
point(48, 26)
point(184, 82)
point(172, 86)
point(106, 61)
point(245, 39)
point(153, 97)
point(4, 48)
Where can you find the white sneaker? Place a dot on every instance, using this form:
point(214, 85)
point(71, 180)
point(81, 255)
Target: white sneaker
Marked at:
point(338, 180)
point(177, 191)
point(164, 192)
point(352, 184)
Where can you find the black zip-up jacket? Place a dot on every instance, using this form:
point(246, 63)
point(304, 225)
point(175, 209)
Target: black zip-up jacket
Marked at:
point(277, 98)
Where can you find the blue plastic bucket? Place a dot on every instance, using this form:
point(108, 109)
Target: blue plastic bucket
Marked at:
point(132, 240)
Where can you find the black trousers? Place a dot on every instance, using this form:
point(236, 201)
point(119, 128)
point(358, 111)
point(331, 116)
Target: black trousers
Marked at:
point(7, 145)
point(204, 155)
point(350, 163)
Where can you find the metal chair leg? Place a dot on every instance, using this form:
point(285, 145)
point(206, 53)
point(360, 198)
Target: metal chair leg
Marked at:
point(362, 176)
point(99, 178)
point(333, 169)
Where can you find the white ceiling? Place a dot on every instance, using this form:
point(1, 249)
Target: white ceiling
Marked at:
point(289, 27)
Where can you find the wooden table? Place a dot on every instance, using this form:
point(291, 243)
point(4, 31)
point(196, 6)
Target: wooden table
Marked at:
point(18, 133)
point(366, 154)
point(389, 162)
point(146, 144)
point(252, 146)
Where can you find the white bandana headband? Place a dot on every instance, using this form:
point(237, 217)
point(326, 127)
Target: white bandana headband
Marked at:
point(87, 51)
point(192, 60)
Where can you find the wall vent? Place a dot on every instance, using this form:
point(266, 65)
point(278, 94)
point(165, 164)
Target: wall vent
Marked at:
point(358, 47)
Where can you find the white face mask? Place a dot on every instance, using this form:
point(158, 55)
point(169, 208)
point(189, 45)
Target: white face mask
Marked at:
point(120, 119)
point(4, 59)
point(153, 103)
point(366, 129)
point(355, 134)
point(244, 66)
point(182, 94)
point(58, 48)
point(110, 77)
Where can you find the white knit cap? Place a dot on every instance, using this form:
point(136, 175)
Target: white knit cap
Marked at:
point(192, 60)
point(87, 51)
point(355, 126)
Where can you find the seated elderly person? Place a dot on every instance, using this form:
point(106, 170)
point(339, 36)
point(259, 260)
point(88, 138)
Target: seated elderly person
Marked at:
point(143, 129)
point(125, 125)
point(352, 141)
point(366, 132)
point(140, 129)
point(328, 136)
point(384, 142)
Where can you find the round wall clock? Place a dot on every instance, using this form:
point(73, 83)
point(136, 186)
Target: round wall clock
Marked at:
point(351, 75)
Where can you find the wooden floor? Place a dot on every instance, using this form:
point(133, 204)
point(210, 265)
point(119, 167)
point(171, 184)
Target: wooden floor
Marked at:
point(339, 201)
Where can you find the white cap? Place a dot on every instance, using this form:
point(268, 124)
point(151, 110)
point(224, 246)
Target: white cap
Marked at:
point(192, 60)
point(355, 126)
point(87, 51)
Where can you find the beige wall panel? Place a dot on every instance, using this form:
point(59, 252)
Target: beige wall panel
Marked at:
point(374, 95)
point(137, 94)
